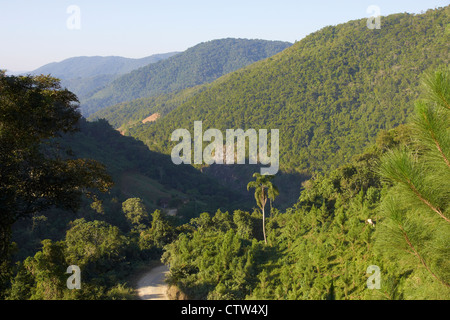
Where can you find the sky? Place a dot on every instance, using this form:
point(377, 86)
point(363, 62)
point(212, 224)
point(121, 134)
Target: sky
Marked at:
point(34, 33)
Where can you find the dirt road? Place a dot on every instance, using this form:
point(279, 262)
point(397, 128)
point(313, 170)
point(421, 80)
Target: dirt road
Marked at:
point(151, 285)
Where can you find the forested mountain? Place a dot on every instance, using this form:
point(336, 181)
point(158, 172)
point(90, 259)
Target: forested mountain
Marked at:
point(83, 75)
point(375, 228)
point(329, 94)
point(200, 64)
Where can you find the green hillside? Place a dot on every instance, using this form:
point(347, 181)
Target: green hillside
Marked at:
point(128, 114)
point(376, 228)
point(200, 64)
point(329, 94)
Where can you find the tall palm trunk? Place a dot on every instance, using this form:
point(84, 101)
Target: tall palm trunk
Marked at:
point(264, 227)
point(263, 205)
point(261, 196)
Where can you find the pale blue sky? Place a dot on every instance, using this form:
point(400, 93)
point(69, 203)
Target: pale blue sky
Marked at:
point(34, 33)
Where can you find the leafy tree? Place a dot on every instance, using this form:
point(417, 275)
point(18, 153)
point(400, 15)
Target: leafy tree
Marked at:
point(44, 278)
point(34, 174)
point(264, 190)
point(244, 223)
point(136, 213)
point(160, 233)
point(97, 248)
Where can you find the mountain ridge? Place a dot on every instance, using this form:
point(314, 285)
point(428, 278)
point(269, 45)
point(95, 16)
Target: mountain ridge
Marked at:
point(89, 66)
point(202, 63)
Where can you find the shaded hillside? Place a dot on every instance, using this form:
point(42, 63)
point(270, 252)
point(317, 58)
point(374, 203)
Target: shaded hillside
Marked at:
point(200, 64)
point(139, 172)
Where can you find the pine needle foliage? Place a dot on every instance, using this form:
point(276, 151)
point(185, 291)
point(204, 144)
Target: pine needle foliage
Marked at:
point(416, 229)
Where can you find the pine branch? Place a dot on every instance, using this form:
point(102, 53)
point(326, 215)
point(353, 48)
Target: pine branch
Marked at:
point(422, 260)
point(447, 162)
point(433, 137)
point(425, 201)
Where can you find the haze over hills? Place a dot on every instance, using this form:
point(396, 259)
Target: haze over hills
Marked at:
point(200, 64)
point(85, 67)
point(83, 75)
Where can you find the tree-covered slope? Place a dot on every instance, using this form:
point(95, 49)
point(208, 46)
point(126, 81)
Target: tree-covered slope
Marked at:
point(128, 114)
point(329, 94)
point(200, 64)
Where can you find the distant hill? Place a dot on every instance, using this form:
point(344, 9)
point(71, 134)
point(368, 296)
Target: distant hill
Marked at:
point(82, 75)
point(86, 67)
point(200, 64)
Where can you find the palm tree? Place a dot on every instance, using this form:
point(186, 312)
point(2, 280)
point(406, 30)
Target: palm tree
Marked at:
point(264, 189)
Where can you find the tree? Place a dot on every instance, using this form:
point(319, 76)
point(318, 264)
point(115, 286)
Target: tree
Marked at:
point(96, 247)
point(34, 173)
point(136, 213)
point(264, 190)
point(160, 233)
point(417, 207)
point(42, 276)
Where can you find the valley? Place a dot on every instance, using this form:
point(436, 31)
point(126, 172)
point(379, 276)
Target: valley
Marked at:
point(115, 164)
